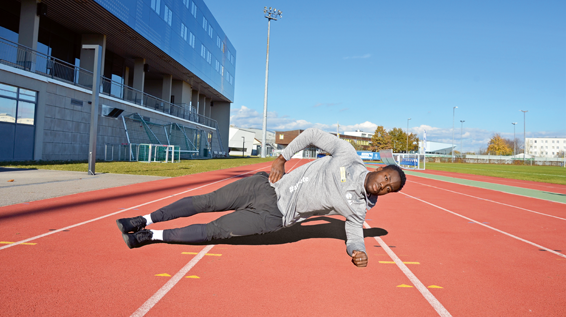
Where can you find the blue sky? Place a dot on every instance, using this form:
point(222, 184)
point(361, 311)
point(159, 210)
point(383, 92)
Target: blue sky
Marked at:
point(369, 63)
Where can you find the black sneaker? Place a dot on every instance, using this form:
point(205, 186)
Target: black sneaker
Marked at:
point(131, 224)
point(138, 239)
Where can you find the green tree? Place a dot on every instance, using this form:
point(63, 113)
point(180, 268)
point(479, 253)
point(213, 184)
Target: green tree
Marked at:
point(498, 146)
point(399, 140)
point(381, 140)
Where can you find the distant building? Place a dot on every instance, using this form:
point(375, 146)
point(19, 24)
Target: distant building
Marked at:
point(546, 147)
point(242, 142)
point(359, 133)
point(436, 148)
point(269, 139)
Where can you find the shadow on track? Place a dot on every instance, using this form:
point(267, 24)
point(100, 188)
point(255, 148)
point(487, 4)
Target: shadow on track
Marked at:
point(330, 229)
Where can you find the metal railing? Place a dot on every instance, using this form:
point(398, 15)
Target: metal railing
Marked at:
point(25, 58)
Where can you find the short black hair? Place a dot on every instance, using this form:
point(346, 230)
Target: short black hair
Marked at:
point(400, 172)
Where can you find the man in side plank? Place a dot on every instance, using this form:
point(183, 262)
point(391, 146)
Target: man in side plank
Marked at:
point(339, 184)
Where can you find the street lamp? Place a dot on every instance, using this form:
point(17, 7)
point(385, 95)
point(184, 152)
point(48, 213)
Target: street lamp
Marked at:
point(514, 140)
point(243, 146)
point(453, 114)
point(461, 139)
point(524, 133)
point(270, 14)
point(408, 135)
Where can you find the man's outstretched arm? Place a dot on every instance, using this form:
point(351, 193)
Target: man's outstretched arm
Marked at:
point(355, 245)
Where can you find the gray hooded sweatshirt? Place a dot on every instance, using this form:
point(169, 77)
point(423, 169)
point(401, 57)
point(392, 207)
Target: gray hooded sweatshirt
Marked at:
point(332, 185)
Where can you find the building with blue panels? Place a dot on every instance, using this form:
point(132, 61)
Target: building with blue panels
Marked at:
point(168, 74)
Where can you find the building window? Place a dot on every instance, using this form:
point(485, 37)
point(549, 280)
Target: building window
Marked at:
point(209, 57)
point(183, 31)
point(193, 9)
point(218, 41)
point(204, 23)
point(17, 105)
point(156, 5)
point(202, 51)
point(186, 3)
point(210, 31)
point(192, 39)
point(168, 15)
point(280, 136)
point(217, 66)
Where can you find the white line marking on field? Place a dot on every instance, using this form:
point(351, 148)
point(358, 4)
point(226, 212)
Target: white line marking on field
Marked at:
point(495, 190)
point(176, 278)
point(118, 212)
point(418, 284)
point(490, 227)
point(493, 201)
point(169, 285)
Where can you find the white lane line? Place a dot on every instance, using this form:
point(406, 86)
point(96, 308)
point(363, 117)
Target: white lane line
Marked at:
point(169, 285)
point(493, 201)
point(418, 284)
point(118, 212)
point(495, 190)
point(490, 227)
point(176, 278)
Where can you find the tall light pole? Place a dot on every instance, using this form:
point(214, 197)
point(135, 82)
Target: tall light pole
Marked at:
point(524, 133)
point(408, 135)
point(514, 140)
point(270, 14)
point(461, 130)
point(453, 114)
point(243, 146)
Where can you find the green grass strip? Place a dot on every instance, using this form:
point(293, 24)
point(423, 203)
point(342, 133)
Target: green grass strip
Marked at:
point(185, 167)
point(556, 197)
point(544, 174)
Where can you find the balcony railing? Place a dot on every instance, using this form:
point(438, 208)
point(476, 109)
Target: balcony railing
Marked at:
point(22, 57)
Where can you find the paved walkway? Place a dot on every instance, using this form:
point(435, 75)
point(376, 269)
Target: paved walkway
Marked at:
point(24, 185)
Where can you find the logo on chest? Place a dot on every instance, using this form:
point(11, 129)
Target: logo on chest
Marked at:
point(296, 186)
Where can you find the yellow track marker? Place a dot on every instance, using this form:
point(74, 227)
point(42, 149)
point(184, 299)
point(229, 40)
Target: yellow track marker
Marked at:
point(211, 254)
point(192, 276)
point(435, 286)
point(404, 285)
point(163, 274)
point(7, 242)
point(392, 262)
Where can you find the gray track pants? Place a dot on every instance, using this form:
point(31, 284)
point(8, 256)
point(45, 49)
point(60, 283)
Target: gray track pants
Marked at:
point(252, 198)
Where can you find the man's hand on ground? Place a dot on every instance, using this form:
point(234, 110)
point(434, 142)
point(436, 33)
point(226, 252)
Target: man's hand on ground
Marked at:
point(277, 169)
point(360, 259)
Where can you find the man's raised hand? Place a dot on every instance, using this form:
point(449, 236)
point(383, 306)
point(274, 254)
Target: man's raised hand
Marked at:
point(360, 259)
point(277, 169)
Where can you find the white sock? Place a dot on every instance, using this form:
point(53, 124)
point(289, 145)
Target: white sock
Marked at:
point(148, 220)
point(157, 235)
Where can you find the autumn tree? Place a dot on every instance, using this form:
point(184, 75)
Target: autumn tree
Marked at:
point(381, 140)
point(498, 146)
point(399, 140)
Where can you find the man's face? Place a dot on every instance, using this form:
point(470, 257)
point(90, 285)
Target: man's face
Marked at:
point(382, 181)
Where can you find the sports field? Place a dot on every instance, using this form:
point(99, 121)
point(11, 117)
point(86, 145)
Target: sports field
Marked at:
point(449, 244)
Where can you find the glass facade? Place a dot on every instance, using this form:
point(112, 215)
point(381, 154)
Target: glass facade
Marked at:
point(17, 105)
point(165, 24)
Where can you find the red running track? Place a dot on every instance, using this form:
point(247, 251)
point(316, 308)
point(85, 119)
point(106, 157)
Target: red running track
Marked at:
point(304, 269)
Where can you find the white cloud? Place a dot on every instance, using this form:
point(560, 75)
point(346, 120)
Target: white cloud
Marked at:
point(473, 138)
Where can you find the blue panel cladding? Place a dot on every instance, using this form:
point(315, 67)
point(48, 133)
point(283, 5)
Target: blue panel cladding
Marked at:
point(140, 16)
